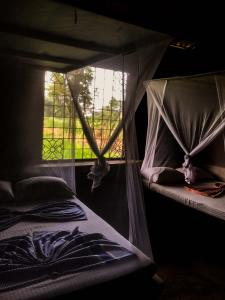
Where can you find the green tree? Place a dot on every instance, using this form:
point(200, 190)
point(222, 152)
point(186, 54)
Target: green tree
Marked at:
point(107, 119)
point(114, 104)
point(82, 79)
point(111, 112)
point(58, 99)
point(58, 93)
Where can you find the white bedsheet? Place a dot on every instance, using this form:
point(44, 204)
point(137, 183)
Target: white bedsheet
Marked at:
point(208, 205)
point(72, 282)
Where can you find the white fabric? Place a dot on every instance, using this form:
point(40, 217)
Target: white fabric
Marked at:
point(153, 126)
point(193, 109)
point(136, 66)
point(73, 282)
point(208, 205)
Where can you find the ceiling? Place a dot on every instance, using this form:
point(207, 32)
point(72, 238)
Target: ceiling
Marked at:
point(59, 36)
point(62, 35)
point(196, 20)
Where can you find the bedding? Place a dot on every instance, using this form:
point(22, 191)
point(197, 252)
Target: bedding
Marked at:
point(208, 205)
point(66, 283)
point(213, 190)
point(60, 211)
point(35, 257)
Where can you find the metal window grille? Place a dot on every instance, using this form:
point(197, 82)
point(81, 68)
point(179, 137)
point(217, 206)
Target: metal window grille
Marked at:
point(102, 104)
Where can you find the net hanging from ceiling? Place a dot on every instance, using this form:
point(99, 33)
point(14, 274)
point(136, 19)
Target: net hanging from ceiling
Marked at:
point(185, 115)
point(133, 68)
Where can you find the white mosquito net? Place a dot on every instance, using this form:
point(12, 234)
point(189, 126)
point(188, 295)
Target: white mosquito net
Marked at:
point(184, 116)
point(59, 152)
point(135, 67)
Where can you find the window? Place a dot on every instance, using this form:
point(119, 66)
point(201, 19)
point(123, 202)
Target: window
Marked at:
point(101, 102)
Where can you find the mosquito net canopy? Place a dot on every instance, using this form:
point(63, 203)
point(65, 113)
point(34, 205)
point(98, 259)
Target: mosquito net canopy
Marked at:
point(61, 119)
point(133, 68)
point(184, 116)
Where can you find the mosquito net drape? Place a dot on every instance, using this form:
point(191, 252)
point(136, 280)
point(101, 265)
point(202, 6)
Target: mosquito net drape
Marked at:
point(134, 67)
point(185, 113)
point(57, 153)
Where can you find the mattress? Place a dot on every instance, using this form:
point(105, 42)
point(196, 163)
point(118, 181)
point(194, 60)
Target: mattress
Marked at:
point(208, 205)
point(69, 283)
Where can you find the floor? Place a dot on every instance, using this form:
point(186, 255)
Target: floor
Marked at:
point(193, 280)
point(189, 249)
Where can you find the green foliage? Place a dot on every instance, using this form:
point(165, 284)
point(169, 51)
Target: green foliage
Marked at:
point(102, 131)
point(60, 125)
point(58, 101)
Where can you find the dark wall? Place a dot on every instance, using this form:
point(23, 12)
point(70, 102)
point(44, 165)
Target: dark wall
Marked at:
point(21, 112)
point(202, 59)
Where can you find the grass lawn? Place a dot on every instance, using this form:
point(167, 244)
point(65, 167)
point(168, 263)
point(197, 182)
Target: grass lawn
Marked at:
point(58, 137)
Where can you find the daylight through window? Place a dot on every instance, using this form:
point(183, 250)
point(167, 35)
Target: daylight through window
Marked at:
point(101, 101)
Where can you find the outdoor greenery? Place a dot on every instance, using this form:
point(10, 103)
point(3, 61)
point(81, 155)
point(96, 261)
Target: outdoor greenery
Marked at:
point(62, 126)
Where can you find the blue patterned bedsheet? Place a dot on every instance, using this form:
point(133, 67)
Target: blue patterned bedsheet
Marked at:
point(32, 258)
point(54, 211)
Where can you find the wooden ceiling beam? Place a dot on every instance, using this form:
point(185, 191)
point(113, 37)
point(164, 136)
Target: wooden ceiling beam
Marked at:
point(43, 57)
point(56, 38)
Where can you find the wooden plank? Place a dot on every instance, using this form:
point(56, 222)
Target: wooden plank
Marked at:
point(57, 39)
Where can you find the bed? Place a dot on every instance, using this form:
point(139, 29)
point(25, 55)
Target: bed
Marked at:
point(211, 206)
point(186, 131)
point(60, 285)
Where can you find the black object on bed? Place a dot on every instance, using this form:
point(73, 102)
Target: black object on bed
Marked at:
point(39, 256)
point(59, 211)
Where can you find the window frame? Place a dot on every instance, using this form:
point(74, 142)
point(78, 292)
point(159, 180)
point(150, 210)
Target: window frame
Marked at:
point(88, 160)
